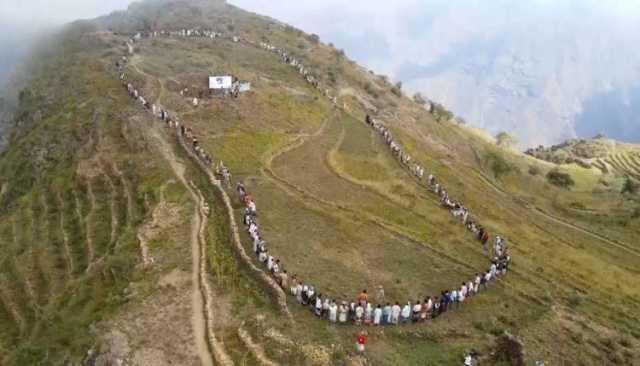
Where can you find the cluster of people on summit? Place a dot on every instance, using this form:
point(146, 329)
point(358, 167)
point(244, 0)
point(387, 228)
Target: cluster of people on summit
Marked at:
point(302, 70)
point(361, 309)
point(159, 112)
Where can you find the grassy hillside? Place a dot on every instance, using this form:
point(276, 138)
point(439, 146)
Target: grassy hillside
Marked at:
point(90, 179)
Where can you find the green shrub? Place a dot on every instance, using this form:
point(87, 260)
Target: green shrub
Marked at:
point(630, 186)
point(560, 179)
point(574, 300)
point(505, 139)
point(419, 99)
point(370, 90)
point(534, 170)
point(314, 38)
point(498, 165)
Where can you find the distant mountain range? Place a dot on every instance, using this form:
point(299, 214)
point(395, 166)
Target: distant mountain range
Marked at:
point(544, 71)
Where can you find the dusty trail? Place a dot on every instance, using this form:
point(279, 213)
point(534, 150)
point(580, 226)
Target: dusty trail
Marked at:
point(281, 296)
point(113, 236)
point(206, 343)
point(12, 307)
point(331, 208)
point(65, 236)
point(89, 225)
point(626, 247)
point(255, 348)
point(240, 250)
point(209, 347)
point(127, 192)
point(28, 286)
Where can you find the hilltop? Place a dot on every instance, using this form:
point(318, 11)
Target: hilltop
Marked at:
point(120, 245)
point(609, 156)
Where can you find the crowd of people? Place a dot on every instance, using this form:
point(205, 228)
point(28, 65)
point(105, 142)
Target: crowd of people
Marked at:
point(163, 115)
point(360, 310)
point(458, 210)
point(287, 58)
point(302, 70)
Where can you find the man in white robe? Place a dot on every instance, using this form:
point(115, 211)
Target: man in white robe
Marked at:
point(395, 313)
point(333, 312)
point(377, 315)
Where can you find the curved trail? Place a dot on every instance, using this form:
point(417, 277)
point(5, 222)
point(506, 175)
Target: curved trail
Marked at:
point(65, 236)
point(209, 348)
point(557, 220)
point(255, 348)
point(281, 296)
point(239, 248)
point(542, 213)
point(89, 226)
point(330, 207)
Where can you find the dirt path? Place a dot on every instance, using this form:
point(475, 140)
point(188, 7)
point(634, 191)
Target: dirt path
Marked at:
point(65, 236)
point(209, 348)
point(626, 247)
point(21, 272)
point(89, 225)
point(280, 295)
point(127, 192)
point(113, 236)
point(254, 348)
point(12, 307)
point(335, 209)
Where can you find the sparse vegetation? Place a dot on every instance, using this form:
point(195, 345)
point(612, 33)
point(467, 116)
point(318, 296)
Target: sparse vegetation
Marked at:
point(505, 139)
point(560, 179)
point(534, 170)
point(498, 165)
point(397, 89)
point(418, 98)
point(630, 186)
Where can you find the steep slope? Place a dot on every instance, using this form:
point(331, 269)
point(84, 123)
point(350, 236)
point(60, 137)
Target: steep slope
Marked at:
point(118, 237)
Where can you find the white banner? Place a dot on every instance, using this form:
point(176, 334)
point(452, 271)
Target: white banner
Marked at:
point(244, 87)
point(220, 82)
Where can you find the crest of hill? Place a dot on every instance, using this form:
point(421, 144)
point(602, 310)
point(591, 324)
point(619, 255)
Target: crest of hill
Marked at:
point(607, 155)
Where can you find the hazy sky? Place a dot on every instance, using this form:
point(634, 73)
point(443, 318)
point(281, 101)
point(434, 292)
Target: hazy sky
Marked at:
point(56, 11)
point(528, 67)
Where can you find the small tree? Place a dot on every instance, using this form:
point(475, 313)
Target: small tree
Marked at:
point(397, 89)
point(560, 179)
point(505, 139)
point(418, 98)
point(534, 170)
point(630, 186)
point(314, 38)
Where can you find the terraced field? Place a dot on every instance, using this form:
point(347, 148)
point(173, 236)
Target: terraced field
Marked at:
point(626, 163)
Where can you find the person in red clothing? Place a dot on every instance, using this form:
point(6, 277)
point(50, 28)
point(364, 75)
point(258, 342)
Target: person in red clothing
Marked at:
point(361, 340)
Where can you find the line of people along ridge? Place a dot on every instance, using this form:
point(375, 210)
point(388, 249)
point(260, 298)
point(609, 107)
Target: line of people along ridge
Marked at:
point(361, 309)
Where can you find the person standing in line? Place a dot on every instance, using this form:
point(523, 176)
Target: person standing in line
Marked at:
point(343, 310)
point(395, 313)
point(333, 312)
point(377, 315)
point(386, 314)
point(406, 313)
